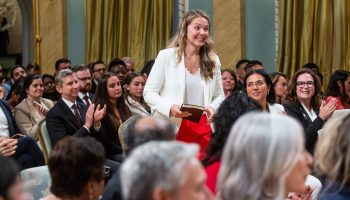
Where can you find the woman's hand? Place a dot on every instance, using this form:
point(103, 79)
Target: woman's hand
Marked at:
point(326, 110)
point(307, 195)
point(8, 146)
point(209, 111)
point(176, 112)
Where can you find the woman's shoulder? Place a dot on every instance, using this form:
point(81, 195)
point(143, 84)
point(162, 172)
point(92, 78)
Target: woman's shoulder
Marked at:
point(168, 51)
point(47, 102)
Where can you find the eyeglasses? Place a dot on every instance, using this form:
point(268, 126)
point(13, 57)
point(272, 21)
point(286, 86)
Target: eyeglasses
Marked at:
point(85, 79)
point(100, 70)
point(257, 84)
point(303, 83)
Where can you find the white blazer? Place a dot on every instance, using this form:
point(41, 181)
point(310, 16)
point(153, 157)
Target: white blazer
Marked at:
point(165, 85)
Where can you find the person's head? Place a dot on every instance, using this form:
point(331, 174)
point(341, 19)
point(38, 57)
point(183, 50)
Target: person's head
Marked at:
point(258, 85)
point(1, 72)
point(84, 78)
point(233, 107)
point(168, 170)
point(97, 69)
point(146, 70)
point(313, 67)
point(15, 93)
point(332, 154)
point(280, 84)
point(62, 63)
point(339, 85)
point(240, 68)
point(129, 64)
point(67, 85)
point(264, 156)
point(33, 68)
point(76, 168)
point(134, 84)
point(11, 187)
point(253, 65)
point(119, 68)
point(193, 30)
point(305, 87)
point(146, 129)
point(229, 80)
point(33, 87)
point(49, 83)
point(18, 73)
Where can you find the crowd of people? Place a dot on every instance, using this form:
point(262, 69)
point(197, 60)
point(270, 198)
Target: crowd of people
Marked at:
point(121, 134)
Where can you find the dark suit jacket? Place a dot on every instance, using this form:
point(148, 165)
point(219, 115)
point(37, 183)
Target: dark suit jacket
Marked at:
point(91, 97)
point(109, 137)
point(60, 121)
point(13, 129)
point(297, 111)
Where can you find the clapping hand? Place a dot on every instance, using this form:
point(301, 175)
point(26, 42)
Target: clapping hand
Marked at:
point(326, 110)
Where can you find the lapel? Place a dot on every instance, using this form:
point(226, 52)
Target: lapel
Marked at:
point(91, 97)
point(82, 110)
point(181, 75)
point(68, 114)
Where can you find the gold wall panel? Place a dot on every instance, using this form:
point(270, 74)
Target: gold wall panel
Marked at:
point(229, 31)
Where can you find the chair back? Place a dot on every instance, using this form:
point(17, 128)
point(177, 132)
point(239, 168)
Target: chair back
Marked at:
point(44, 139)
point(121, 132)
point(36, 181)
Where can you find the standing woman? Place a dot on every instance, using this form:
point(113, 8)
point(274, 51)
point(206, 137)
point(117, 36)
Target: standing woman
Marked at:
point(304, 104)
point(109, 93)
point(229, 81)
point(134, 85)
point(187, 72)
point(32, 110)
point(339, 88)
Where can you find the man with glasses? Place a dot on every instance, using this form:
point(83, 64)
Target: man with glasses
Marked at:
point(97, 69)
point(82, 73)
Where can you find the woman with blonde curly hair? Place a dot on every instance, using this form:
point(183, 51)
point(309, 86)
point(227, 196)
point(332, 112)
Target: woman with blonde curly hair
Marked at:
point(332, 158)
point(187, 72)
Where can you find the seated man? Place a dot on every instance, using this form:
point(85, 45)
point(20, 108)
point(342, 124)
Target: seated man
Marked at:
point(23, 149)
point(168, 170)
point(69, 117)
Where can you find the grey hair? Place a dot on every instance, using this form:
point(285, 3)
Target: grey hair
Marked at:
point(62, 74)
point(156, 165)
point(260, 152)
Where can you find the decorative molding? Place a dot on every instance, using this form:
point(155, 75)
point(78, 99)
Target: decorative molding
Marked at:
point(276, 28)
point(8, 10)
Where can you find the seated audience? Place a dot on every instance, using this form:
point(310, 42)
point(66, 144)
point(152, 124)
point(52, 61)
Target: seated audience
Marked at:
point(109, 95)
point(229, 81)
point(14, 96)
point(168, 170)
point(253, 65)
point(97, 69)
point(139, 131)
point(50, 91)
point(339, 88)
point(280, 84)
point(119, 68)
point(129, 64)
point(146, 70)
point(17, 74)
point(33, 68)
point(33, 108)
point(134, 85)
point(83, 75)
point(240, 71)
point(258, 86)
point(62, 63)
point(304, 104)
point(76, 169)
point(332, 158)
point(264, 158)
point(11, 187)
point(230, 110)
point(23, 149)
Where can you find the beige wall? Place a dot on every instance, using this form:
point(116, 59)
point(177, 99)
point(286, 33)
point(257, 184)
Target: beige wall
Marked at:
point(52, 33)
point(229, 31)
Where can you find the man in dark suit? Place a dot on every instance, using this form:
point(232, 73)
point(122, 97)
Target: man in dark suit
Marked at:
point(69, 117)
point(97, 69)
point(85, 84)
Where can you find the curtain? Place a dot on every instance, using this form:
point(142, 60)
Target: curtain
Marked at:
point(313, 31)
point(119, 28)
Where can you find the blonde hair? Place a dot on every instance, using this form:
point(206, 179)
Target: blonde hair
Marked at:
point(260, 152)
point(332, 155)
point(206, 52)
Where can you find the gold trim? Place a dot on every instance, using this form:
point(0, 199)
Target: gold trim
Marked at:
point(36, 32)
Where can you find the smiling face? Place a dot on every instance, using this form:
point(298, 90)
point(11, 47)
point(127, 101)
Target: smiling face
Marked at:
point(257, 88)
point(295, 180)
point(69, 88)
point(197, 32)
point(19, 74)
point(305, 88)
point(114, 88)
point(228, 82)
point(35, 90)
point(135, 88)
